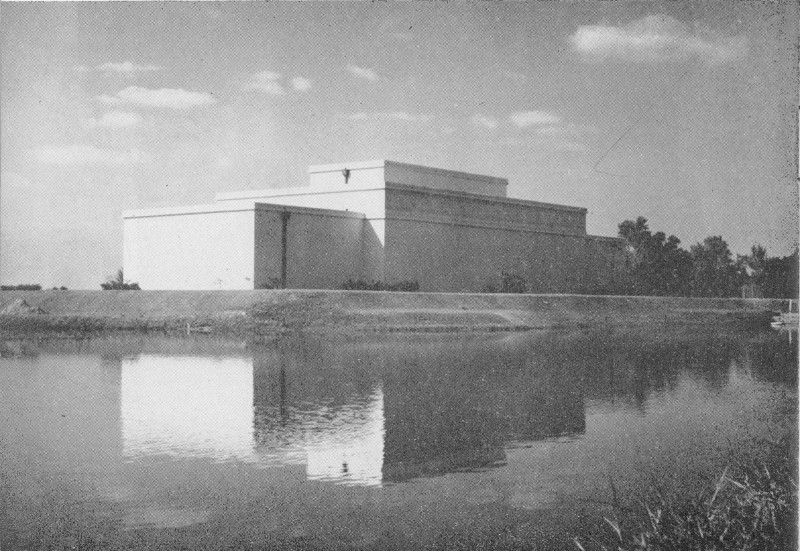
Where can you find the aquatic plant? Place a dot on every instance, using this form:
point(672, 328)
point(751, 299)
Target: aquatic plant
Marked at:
point(751, 508)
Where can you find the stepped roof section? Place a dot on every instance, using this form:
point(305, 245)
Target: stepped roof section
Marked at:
point(362, 187)
point(368, 175)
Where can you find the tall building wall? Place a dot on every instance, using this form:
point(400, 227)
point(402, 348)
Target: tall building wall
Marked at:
point(196, 248)
point(459, 242)
point(242, 246)
point(323, 249)
point(461, 258)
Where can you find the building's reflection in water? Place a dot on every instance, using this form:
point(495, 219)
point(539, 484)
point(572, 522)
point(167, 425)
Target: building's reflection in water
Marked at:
point(187, 406)
point(408, 409)
point(206, 407)
point(358, 415)
point(454, 408)
point(327, 416)
point(350, 449)
point(395, 409)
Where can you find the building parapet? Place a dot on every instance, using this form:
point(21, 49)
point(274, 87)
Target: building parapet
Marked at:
point(239, 206)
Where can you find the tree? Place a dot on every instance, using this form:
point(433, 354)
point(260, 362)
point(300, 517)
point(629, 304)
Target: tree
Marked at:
point(713, 271)
point(776, 277)
point(779, 278)
point(656, 264)
point(757, 261)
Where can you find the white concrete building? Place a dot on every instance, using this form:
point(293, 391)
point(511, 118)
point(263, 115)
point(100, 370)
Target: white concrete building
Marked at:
point(372, 221)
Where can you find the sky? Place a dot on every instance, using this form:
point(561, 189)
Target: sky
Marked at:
point(682, 112)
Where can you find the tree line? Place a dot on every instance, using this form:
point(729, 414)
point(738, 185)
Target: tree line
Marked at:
point(657, 265)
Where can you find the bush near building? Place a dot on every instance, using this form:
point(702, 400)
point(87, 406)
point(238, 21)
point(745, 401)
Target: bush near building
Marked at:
point(509, 282)
point(117, 283)
point(361, 285)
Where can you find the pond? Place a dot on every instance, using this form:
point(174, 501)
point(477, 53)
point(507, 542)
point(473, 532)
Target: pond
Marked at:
point(395, 442)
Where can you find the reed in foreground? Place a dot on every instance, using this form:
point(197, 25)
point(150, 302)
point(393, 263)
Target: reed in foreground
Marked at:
point(747, 509)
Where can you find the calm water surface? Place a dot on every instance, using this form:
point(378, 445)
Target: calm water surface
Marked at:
point(379, 443)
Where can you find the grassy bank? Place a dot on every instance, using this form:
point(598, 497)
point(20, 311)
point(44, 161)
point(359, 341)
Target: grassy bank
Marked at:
point(277, 311)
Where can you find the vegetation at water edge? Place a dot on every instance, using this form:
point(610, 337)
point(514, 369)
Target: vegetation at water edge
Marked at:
point(749, 508)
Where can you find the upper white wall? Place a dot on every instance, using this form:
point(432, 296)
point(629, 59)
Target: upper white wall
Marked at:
point(437, 178)
point(360, 175)
point(372, 174)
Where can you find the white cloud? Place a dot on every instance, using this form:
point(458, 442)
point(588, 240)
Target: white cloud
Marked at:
point(400, 116)
point(658, 38)
point(127, 68)
point(267, 82)
point(82, 155)
point(485, 121)
point(115, 119)
point(362, 72)
point(301, 84)
point(523, 119)
point(170, 98)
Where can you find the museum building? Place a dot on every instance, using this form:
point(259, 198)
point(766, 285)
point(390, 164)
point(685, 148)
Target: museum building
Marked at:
point(370, 221)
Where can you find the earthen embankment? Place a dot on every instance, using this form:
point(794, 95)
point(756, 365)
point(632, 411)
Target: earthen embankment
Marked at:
point(279, 311)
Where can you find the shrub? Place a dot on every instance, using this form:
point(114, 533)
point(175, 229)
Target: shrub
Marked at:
point(272, 283)
point(118, 283)
point(21, 287)
point(509, 283)
point(513, 283)
point(361, 285)
point(114, 286)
